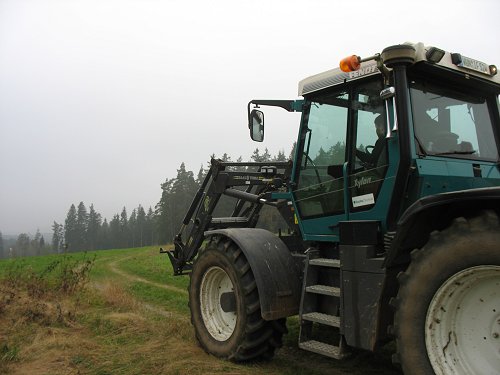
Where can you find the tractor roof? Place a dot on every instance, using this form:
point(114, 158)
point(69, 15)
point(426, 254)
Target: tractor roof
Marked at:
point(449, 61)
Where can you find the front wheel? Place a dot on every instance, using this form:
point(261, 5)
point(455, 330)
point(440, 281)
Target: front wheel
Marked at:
point(448, 306)
point(225, 307)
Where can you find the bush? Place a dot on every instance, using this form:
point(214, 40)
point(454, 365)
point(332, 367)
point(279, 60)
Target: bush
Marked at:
point(65, 275)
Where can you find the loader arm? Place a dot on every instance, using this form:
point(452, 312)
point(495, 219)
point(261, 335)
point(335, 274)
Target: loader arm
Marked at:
point(252, 184)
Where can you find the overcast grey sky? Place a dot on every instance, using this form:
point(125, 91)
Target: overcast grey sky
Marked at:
point(102, 100)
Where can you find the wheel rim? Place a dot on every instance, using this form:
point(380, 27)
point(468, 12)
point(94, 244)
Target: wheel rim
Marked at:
point(462, 330)
point(220, 324)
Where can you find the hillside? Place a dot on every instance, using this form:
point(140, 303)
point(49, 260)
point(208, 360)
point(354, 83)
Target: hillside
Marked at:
point(122, 312)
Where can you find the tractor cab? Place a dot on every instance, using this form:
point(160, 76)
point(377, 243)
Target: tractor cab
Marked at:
point(404, 120)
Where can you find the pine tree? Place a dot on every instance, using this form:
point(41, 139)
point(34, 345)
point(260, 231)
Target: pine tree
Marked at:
point(57, 237)
point(71, 235)
point(149, 231)
point(337, 153)
point(176, 198)
point(256, 157)
point(266, 156)
point(209, 163)
point(82, 219)
point(103, 238)
point(184, 190)
point(292, 152)
point(141, 224)
point(281, 156)
point(124, 230)
point(115, 232)
point(201, 176)
point(93, 228)
point(164, 224)
point(132, 228)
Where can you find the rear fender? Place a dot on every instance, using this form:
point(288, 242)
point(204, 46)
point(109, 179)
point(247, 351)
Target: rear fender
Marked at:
point(435, 212)
point(276, 273)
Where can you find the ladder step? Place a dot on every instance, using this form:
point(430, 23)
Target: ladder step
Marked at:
point(322, 348)
point(321, 318)
point(325, 262)
point(324, 289)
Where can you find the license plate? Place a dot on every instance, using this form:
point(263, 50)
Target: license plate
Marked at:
point(471, 64)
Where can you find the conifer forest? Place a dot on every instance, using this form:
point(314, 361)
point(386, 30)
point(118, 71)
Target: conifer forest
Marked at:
point(84, 228)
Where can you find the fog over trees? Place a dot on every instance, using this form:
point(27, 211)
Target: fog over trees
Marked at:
point(84, 228)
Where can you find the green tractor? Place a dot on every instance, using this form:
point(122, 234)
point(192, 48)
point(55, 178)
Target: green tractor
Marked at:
point(392, 206)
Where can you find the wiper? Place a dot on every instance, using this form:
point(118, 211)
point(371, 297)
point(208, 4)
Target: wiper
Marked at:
point(456, 153)
point(307, 147)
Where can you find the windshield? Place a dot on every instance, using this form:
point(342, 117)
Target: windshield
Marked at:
point(451, 123)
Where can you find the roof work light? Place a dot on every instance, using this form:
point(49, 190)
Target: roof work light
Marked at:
point(434, 55)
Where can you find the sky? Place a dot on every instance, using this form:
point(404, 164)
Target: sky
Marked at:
point(102, 100)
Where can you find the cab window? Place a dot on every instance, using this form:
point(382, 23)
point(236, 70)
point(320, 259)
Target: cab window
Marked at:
point(452, 124)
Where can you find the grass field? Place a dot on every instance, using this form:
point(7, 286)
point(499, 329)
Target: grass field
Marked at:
point(122, 312)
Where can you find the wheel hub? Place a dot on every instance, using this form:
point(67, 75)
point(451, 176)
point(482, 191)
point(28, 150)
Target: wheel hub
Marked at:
point(462, 331)
point(219, 321)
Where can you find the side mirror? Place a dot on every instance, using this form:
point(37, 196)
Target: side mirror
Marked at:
point(256, 125)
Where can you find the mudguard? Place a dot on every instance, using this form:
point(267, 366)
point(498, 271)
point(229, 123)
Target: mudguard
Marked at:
point(456, 203)
point(276, 272)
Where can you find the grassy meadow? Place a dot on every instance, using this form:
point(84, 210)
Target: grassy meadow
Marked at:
point(123, 312)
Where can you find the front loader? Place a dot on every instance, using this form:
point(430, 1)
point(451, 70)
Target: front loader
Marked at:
point(391, 208)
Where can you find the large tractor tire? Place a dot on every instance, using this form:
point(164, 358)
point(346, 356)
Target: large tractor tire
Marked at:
point(447, 318)
point(225, 307)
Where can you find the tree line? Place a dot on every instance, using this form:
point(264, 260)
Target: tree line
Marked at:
point(85, 228)
point(24, 245)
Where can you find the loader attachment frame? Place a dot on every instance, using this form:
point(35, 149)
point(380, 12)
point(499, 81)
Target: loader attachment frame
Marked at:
point(252, 184)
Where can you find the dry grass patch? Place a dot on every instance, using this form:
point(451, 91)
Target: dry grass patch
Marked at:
point(115, 296)
point(38, 335)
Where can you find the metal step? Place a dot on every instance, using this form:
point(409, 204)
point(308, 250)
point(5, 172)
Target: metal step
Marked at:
point(325, 262)
point(321, 318)
point(322, 348)
point(324, 289)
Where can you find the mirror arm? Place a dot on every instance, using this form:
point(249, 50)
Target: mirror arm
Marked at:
point(289, 105)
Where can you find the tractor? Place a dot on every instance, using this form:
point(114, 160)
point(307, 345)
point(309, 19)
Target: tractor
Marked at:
point(391, 211)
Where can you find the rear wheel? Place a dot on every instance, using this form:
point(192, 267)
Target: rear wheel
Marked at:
point(225, 307)
point(448, 307)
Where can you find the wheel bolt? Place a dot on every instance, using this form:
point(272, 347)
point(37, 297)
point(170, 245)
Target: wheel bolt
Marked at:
point(495, 335)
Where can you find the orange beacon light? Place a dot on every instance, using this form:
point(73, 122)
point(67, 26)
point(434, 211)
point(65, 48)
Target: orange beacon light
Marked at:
point(350, 63)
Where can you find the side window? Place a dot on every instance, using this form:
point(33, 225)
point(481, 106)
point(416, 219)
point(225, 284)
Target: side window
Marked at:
point(370, 154)
point(319, 191)
point(338, 128)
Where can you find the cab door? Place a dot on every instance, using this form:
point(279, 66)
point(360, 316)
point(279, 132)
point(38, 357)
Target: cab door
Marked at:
point(342, 158)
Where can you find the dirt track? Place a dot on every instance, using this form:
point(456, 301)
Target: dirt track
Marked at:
point(113, 266)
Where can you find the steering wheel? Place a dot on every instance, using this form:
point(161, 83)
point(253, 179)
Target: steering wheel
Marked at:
point(367, 163)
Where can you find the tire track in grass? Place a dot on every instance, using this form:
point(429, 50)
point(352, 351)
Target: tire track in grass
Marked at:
point(113, 266)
